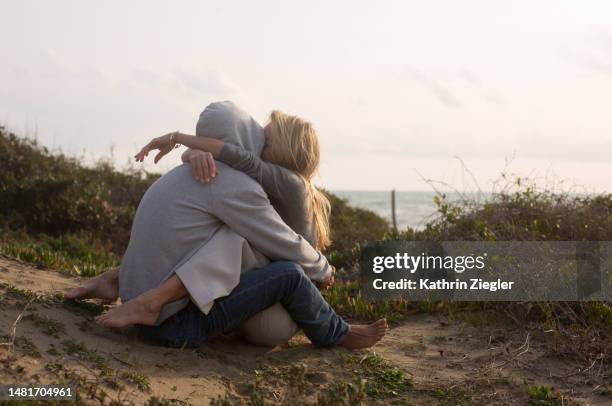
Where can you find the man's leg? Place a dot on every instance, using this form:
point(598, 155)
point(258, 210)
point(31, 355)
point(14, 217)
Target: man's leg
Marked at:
point(144, 309)
point(105, 287)
point(278, 282)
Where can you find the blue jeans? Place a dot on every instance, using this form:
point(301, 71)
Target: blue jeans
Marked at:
point(278, 282)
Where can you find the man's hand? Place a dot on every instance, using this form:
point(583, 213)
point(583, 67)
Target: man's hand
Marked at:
point(202, 165)
point(324, 285)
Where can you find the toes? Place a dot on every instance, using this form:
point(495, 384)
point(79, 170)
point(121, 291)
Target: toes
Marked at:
point(74, 293)
point(101, 318)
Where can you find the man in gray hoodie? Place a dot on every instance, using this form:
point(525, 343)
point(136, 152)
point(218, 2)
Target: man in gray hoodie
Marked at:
point(178, 215)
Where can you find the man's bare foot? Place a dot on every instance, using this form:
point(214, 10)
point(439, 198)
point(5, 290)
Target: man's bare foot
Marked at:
point(364, 336)
point(143, 310)
point(105, 287)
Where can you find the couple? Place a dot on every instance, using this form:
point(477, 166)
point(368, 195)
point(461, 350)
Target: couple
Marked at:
point(198, 261)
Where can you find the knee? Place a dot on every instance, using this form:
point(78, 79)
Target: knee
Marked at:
point(271, 327)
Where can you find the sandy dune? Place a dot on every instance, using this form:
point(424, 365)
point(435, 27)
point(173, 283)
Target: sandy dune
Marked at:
point(447, 363)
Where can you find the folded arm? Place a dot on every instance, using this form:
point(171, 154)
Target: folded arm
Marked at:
point(249, 213)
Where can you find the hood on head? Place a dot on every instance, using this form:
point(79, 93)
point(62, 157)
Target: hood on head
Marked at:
point(227, 122)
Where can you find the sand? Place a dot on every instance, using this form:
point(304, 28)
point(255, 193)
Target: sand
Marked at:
point(443, 362)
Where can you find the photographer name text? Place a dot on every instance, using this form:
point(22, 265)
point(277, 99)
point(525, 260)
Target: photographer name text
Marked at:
point(424, 262)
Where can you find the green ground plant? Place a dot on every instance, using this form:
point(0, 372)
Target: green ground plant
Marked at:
point(81, 351)
point(137, 378)
point(381, 379)
point(48, 325)
point(543, 395)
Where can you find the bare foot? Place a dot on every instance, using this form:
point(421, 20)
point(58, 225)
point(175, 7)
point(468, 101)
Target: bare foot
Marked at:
point(142, 310)
point(364, 336)
point(105, 287)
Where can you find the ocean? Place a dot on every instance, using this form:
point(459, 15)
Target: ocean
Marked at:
point(413, 209)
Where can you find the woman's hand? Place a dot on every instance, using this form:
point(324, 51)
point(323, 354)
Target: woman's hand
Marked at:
point(202, 165)
point(164, 144)
point(327, 283)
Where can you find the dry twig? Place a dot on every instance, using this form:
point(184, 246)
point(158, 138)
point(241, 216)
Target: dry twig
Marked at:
point(11, 342)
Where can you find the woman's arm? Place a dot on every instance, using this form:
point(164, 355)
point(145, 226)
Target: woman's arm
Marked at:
point(275, 180)
point(168, 142)
point(202, 161)
point(206, 144)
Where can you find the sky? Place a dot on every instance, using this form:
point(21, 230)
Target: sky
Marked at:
point(399, 91)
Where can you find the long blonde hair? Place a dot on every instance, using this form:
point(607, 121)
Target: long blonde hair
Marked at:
point(295, 146)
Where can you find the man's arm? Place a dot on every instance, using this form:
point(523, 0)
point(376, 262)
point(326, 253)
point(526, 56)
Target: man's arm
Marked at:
point(247, 210)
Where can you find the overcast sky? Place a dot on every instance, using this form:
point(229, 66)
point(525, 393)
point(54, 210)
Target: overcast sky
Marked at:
point(394, 87)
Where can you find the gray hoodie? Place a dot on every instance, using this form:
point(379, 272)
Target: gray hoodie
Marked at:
point(179, 215)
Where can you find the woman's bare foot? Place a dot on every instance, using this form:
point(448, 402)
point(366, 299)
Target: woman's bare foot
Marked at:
point(364, 336)
point(105, 287)
point(143, 310)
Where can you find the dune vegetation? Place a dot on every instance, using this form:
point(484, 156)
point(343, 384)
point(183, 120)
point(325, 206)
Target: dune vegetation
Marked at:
point(57, 213)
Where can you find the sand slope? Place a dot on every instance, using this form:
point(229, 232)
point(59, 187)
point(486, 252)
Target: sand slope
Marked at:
point(58, 341)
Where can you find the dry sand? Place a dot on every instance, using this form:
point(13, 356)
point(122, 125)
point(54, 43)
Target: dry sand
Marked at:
point(448, 363)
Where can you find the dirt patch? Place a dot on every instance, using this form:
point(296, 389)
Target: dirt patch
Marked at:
point(423, 361)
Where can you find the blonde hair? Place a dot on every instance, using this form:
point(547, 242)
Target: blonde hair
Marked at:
point(295, 146)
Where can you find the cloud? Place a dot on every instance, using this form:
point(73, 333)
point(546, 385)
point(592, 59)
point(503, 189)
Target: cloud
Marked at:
point(494, 99)
point(573, 149)
point(148, 77)
point(454, 88)
point(49, 67)
point(441, 91)
point(57, 67)
point(594, 53)
point(604, 40)
point(469, 76)
point(81, 107)
point(208, 82)
point(19, 72)
point(600, 66)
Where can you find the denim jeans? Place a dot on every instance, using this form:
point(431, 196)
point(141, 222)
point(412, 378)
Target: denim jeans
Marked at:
point(278, 282)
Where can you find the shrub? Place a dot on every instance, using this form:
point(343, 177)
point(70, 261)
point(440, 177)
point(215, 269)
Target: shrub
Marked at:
point(71, 208)
point(53, 194)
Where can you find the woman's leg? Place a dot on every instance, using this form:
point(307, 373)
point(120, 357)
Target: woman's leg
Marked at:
point(278, 282)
